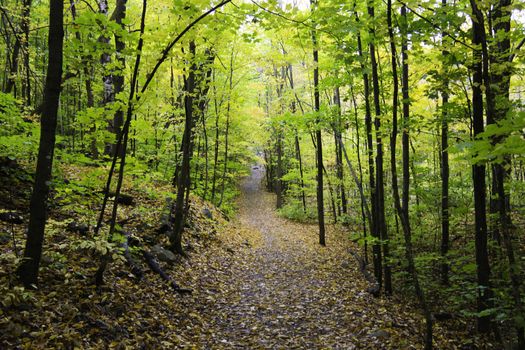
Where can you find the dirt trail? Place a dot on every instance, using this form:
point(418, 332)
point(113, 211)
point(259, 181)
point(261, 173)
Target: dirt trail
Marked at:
point(278, 289)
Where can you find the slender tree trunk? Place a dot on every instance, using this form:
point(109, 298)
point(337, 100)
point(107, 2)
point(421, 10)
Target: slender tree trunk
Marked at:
point(296, 140)
point(332, 196)
point(478, 178)
point(206, 156)
point(216, 144)
point(26, 18)
point(402, 208)
point(227, 131)
point(358, 151)
point(118, 79)
point(499, 80)
point(122, 142)
point(376, 246)
point(203, 87)
point(319, 139)
point(339, 154)
point(105, 59)
point(445, 172)
point(183, 178)
point(279, 146)
point(380, 186)
point(28, 269)
point(279, 175)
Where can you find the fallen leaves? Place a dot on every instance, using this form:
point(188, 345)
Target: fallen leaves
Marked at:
point(259, 282)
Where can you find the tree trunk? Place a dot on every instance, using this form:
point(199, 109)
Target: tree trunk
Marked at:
point(105, 59)
point(445, 172)
point(183, 178)
point(380, 186)
point(118, 79)
point(358, 152)
point(500, 200)
point(26, 18)
point(319, 140)
point(227, 131)
point(402, 208)
point(478, 178)
point(28, 269)
point(296, 140)
point(339, 154)
point(279, 146)
point(376, 247)
point(122, 142)
point(216, 144)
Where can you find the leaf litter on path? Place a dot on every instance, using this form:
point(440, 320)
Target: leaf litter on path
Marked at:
point(279, 289)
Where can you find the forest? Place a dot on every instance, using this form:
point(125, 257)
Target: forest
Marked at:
point(262, 174)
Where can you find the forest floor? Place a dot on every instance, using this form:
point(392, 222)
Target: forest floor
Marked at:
point(282, 290)
point(259, 282)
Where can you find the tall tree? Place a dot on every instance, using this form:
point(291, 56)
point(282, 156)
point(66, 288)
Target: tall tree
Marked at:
point(183, 178)
point(380, 185)
point(376, 247)
point(478, 178)
point(445, 171)
point(318, 136)
point(28, 269)
point(115, 125)
point(298, 157)
point(341, 195)
point(402, 208)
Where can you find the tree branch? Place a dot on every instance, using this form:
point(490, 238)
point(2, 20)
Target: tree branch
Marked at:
point(168, 48)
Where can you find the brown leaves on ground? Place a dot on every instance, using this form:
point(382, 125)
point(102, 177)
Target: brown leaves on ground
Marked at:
point(259, 282)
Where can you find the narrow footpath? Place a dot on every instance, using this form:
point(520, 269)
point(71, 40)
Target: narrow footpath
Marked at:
point(279, 289)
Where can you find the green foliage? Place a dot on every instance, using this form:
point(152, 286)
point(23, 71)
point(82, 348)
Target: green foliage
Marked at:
point(10, 117)
point(295, 211)
point(18, 133)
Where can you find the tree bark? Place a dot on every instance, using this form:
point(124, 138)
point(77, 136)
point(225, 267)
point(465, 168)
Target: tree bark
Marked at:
point(376, 247)
point(28, 269)
point(402, 208)
point(216, 144)
point(183, 178)
point(478, 178)
point(445, 171)
point(319, 139)
point(296, 140)
point(339, 154)
point(227, 131)
point(118, 79)
point(380, 186)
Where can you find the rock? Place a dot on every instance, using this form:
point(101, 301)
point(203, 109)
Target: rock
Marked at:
point(12, 217)
point(207, 213)
point(163, 254)
point(379, 334)
point(345, 265)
